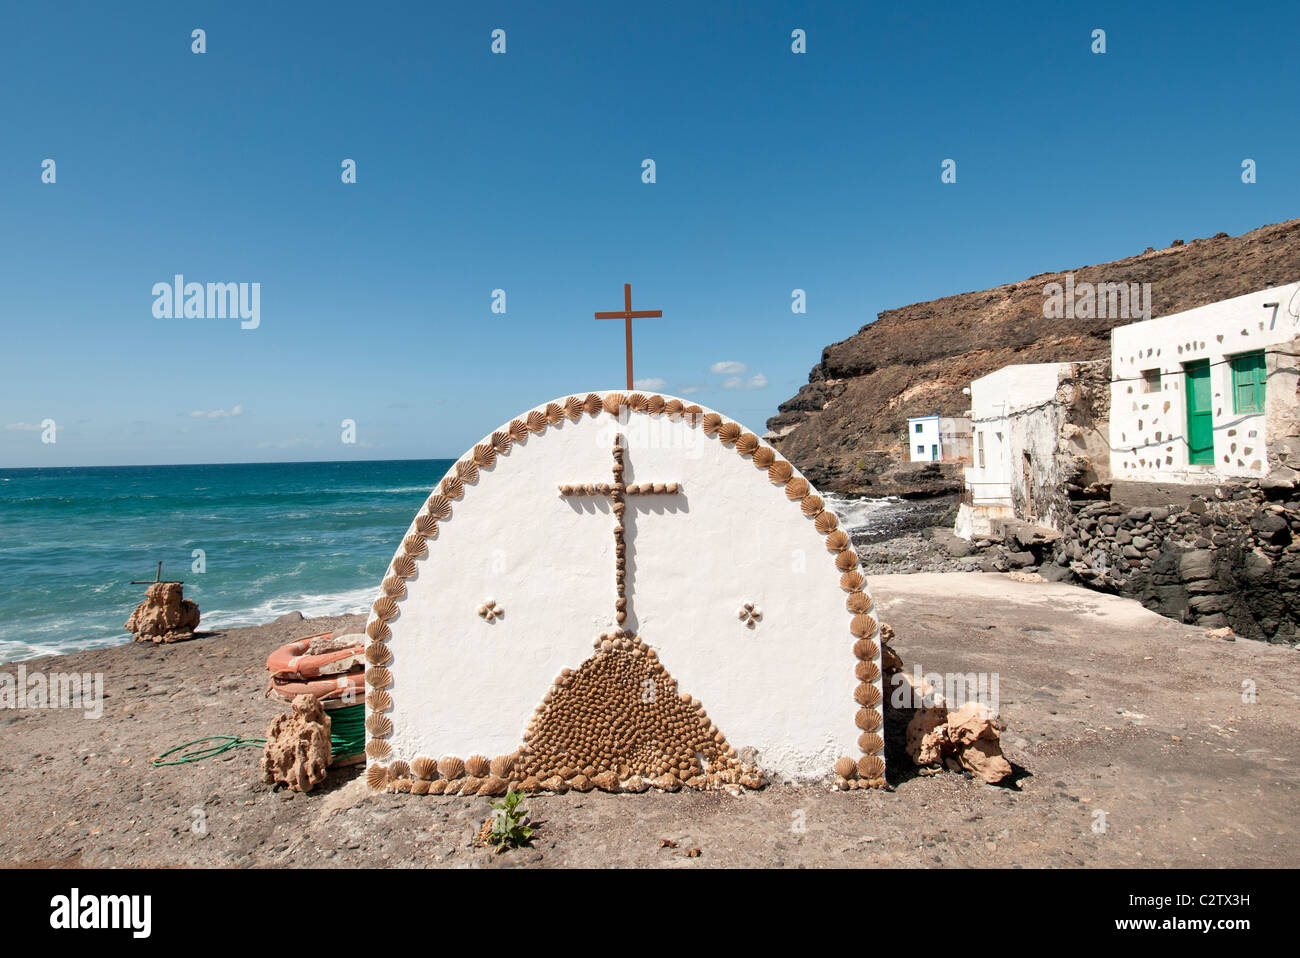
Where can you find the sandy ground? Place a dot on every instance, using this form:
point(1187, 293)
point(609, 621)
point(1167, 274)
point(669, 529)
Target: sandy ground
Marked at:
point(1114, 715)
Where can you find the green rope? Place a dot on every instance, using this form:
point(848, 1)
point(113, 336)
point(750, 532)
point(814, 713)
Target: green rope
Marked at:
point(228, 742)
point(347, 737)
point(348, 730)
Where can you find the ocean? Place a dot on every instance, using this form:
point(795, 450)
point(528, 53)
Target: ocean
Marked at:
point(274, 537)
point(250, 542)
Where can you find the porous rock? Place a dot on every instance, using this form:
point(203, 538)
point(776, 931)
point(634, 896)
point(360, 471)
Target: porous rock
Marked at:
point(297, 749)
point(164, 615)
point(965, 738)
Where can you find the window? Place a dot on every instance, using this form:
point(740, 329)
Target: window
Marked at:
point(920, 450)
point(1151, 380)
point(918, 427)
point(980, 436)
point(1248, 377)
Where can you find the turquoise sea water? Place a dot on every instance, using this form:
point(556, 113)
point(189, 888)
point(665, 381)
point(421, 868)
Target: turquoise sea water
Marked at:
point(315, 537)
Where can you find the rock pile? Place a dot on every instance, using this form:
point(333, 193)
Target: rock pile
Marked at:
point(164, 615)
point(297, 749)
point(1024, 546)
point(963, 739)
point(933, 550)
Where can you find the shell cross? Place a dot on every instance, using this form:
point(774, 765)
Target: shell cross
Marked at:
point(617, 491)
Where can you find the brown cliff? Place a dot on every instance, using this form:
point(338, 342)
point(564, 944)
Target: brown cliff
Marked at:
point(846, 429)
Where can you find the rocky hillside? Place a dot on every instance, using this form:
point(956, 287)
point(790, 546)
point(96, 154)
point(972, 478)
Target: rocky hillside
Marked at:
point(847, 428)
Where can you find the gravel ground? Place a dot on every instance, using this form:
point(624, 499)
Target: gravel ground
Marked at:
point(1110, 709)
point(911, 552)
point(905, 536)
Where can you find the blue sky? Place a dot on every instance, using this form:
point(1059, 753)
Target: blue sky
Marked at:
point(522, 172)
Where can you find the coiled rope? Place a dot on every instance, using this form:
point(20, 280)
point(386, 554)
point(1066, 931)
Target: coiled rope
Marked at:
point(227, 743)
point(348, 730)
point(347, 737)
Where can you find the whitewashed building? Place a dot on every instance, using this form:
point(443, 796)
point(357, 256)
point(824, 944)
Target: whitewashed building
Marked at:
point(939, 439)
point(1005, 434)
point(1036, 429)
point(1198, 396)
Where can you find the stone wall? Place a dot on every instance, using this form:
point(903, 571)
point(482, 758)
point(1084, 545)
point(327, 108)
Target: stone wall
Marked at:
point(1081, 464)
point(1230, 558)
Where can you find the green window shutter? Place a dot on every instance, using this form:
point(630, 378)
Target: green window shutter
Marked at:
point(1249, 375)
point(1243, 389)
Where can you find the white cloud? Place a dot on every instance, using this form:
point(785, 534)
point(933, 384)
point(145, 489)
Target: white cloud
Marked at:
point(236, 410)
point(689, 389)
point(23, 427)
point(756, 381)
point(653, 382)
point(728, 367)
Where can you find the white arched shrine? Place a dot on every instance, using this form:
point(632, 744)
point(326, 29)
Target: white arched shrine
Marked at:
point(618, 590)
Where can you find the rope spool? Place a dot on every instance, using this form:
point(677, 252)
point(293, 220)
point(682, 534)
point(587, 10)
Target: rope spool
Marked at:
point(347, 733)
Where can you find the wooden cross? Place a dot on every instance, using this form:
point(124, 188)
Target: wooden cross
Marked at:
point(617, 491)
point(627, 315)
point(156, 579)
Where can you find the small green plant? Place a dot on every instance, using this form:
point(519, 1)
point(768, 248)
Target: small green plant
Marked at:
point(510, 827)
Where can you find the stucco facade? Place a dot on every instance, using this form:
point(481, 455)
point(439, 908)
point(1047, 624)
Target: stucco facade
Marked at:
point(728, 527)
point(1197, 396)
point(1010, 414)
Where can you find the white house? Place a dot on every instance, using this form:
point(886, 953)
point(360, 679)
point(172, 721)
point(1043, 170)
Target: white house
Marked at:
point(1040, 430)
point(923, 438)
point(1006, 436)
point(939, 439)
point(1195, 394)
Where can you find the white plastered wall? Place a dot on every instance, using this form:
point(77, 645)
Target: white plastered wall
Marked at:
point(1002, 407)
point(463, 686)
point(1149, 429)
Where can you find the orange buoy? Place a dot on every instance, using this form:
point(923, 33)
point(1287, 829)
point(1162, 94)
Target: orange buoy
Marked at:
point(351, 684)
point(292, 662)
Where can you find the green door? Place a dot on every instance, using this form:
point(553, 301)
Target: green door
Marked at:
point(1200, 423)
